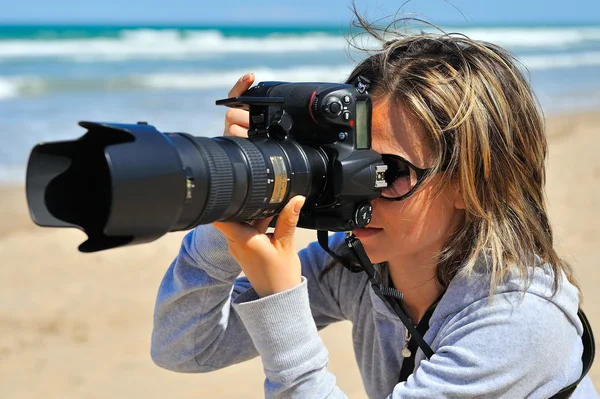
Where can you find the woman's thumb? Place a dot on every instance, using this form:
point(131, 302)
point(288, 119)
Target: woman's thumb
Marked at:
point(287, 221)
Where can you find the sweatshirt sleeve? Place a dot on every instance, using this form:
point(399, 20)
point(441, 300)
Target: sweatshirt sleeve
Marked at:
point(284, 333)
point(195, 329)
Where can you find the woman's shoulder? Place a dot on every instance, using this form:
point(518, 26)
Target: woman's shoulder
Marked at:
point(532, 296)
point(521, 323)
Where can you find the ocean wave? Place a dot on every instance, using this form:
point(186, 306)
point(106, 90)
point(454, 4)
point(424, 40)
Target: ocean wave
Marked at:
point(226, 79)
point(35, 86)
point(561, 61)
point(16, 86)
point(535, 37)
point(165, 44)
point(191, 44)
point(8, 89)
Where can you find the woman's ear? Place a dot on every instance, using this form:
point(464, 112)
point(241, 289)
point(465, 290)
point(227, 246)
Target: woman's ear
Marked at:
point(459, 203)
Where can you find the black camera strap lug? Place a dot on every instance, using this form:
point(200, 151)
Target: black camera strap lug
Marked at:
point(362, 84)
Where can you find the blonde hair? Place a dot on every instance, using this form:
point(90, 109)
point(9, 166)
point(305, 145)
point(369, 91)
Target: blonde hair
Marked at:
point(487, 132)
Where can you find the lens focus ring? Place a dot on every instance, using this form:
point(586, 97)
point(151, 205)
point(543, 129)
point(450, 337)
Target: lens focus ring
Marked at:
point(258, 178)
point(221, 181)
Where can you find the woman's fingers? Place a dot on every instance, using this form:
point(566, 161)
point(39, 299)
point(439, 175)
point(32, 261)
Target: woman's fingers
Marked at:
point(241, 231)
point(287, 221)
point(237, 116)
point(242, 85)
point(236, 232)
point(236, 130)
point(262, 224)
point(237, 120)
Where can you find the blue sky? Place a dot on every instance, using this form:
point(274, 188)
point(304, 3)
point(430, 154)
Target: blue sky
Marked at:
point(305, 11)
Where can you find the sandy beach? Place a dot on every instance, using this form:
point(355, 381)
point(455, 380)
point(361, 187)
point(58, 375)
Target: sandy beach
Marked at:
point(76, 325)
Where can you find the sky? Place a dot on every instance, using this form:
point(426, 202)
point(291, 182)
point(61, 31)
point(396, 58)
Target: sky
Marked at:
point(273, 12)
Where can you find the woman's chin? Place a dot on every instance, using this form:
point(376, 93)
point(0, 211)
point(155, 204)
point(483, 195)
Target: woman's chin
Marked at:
point(370, 238)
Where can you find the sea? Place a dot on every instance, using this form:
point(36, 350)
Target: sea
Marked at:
point(53, 76)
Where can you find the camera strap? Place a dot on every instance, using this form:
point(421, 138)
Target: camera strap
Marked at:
point(387, 294)
point(393, 296)
point(587, 357)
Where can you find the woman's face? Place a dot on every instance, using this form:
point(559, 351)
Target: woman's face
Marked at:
point(414, 229)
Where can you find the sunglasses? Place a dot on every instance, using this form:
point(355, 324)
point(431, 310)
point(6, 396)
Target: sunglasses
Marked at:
point(402, 177)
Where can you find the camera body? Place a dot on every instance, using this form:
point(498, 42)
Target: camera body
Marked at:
point(335, 120)
point(126, 184)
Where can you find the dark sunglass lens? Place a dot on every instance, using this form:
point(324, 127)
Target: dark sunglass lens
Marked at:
point(396, 168)
point(399, 177)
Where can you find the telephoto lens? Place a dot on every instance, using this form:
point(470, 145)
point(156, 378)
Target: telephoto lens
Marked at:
point(125, 184)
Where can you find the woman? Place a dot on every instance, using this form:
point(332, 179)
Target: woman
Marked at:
point(462, 226)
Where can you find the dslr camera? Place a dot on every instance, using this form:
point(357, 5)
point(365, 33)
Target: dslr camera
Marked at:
point(126, 184)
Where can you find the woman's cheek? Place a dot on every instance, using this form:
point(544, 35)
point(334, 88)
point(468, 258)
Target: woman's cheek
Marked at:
point(410, 225)
point(400, 234)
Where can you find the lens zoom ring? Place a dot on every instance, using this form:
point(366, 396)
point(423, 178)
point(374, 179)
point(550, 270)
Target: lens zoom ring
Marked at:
point(258, 179)
point(221, 181)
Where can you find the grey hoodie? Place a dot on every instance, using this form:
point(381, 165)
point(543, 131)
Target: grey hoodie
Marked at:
point(514, 346)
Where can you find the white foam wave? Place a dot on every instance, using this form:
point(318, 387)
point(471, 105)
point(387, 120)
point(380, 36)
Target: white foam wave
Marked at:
point(533, 37)
point(21, 85)
point(227, 79)
point(177, 44)
point(172, 44)
point(7, 89)
point(34, 85)
point(560, 61)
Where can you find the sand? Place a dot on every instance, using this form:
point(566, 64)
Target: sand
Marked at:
point(78, 325)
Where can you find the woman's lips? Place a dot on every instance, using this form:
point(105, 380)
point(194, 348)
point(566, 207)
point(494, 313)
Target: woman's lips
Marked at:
point(363, 232)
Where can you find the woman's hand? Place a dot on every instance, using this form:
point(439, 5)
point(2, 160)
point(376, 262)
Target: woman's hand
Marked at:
point(269, 261)
point(237, 120)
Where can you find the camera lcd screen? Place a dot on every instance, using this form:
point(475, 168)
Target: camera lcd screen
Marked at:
point(362, 137)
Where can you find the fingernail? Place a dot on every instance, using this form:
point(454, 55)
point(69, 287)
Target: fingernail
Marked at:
point(247, 77)
point(299, 204)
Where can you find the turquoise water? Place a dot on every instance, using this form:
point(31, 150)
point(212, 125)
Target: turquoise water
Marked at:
point(50, 32)
point(51, 77)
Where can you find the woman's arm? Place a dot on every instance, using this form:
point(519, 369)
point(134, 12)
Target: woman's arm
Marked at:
point(195, 329)
point(293, 355)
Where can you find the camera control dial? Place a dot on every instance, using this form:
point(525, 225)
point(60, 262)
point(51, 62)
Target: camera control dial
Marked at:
point(363, 214)
point(333, 107)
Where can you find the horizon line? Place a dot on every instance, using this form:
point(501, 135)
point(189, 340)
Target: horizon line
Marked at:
point(282, 24)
